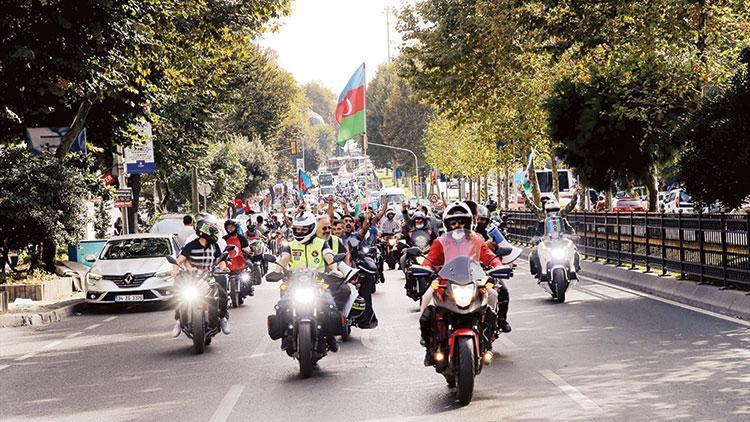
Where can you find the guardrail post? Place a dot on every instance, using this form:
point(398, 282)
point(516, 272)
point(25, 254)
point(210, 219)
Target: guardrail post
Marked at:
point(619, 244)
point(701, 242)
point(632, 242)
point(723, 219)
point(585, 234)
point(663, 244)
point(606, 238)
point(681, 234)
point(648, 244)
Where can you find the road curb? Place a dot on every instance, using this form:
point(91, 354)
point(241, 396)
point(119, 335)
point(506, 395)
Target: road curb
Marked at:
point(41, 318)
point(729, 302)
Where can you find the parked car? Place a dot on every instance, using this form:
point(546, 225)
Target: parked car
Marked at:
point(626, 204)
point(132, 268)
point(168, 224)
point(678, 200)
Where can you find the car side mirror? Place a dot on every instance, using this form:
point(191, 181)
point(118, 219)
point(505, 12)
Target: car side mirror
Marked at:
point(90, 258)
point(172, 260)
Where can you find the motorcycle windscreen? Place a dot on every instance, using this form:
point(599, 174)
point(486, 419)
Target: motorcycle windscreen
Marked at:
point(462, 270)
point(553, 227)
point(420, 239)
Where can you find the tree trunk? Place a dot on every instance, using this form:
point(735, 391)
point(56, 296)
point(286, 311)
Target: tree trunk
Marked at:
point(498, 187)
point(653, 191)
point(49, 254)
point(536, 195)
point(555, 180)
point(471, 188)
point(135, 185)
point(608, 200)
point(506, 187)
point(79, 121)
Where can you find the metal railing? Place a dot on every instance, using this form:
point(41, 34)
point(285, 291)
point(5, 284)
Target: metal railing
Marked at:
point(707, 247)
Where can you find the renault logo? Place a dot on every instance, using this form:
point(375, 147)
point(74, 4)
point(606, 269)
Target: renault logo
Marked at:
point(128, 279)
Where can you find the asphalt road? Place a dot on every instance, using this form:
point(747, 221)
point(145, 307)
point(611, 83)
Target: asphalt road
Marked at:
point(606, 354)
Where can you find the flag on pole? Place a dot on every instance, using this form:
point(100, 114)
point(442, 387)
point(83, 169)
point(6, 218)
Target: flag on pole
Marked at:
point(527, 185)
point(350, 111)
point(303, 181)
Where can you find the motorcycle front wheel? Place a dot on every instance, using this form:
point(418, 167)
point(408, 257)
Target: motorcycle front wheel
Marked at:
point(235, 293)
point(199, 329)
point(465, 368)
point(560, 281)
point(305, 349)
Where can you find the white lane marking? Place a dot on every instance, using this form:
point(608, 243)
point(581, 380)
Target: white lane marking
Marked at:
point(51, 345)
point(227, 404)
point(26, 356)
point(572, 392)
point(670, 302)
point(507, 342)
point(3, 367)
point(76, 334)
point(260, 349)
point(112, 318)
point(663, 300)
point(91, 327)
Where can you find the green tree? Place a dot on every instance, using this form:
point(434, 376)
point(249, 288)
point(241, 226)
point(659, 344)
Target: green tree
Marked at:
point(322, 101)
point(714, 165)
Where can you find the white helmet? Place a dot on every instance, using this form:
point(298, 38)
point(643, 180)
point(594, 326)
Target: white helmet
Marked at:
point(457, 210)
point(304, 227)
point(390, 210)
point(551, 206)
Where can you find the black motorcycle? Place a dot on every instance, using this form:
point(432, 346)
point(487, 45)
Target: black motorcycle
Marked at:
point(415, 255)
point(364, 259)
point(306, 316)
point(198, 303)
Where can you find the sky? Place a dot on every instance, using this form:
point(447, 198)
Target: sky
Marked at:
point(326, 40)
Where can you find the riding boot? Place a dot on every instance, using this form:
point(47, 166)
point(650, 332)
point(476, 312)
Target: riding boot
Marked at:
point(425, 330)
point(503, 302)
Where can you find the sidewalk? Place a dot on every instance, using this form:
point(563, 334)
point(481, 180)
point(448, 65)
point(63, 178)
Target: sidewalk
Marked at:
point(42, 312)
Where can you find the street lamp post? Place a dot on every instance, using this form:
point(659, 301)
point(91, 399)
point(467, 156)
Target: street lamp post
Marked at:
point(416, 163)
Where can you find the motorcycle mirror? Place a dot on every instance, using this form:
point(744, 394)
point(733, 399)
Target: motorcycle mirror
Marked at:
point(269, 258)
point(413, 251)
point(172, 260)
point(274, 276)
point(339, 257)
point(229, 248)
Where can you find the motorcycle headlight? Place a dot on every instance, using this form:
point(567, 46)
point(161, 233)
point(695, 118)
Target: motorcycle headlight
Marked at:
point(304, 295)
point(558, 254)
point(189, 293)
point(245, 277)
point(365, 249)
point(463, 294)
point(92, 278)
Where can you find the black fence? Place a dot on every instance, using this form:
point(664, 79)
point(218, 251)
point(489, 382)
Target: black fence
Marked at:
point(707, 247)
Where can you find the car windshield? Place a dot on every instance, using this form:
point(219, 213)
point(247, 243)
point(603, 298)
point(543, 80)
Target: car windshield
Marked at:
point(628, 202)
point(168, 226)
point(136, 248)
point(396, 198)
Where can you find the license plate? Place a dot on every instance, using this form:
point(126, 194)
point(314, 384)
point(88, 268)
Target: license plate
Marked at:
point(129, 298)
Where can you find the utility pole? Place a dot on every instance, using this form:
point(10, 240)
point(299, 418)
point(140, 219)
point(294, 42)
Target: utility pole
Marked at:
point(123, 183)
point(417, 192)
point(194, 191)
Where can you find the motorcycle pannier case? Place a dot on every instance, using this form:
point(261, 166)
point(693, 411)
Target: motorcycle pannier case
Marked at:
point(275, 327)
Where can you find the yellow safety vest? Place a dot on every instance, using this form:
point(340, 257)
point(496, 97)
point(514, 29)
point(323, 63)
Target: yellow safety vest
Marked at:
point(308, 255)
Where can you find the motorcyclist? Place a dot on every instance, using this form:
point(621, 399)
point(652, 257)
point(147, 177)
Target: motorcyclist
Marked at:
point(308, 251)
point(253, 233)
point(552, 212)
point(493, 237)
point(390, 226)
point(241, 245)
point(457, 218)
point(199, 255)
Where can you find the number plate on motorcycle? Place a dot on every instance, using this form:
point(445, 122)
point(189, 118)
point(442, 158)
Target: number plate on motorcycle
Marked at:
point(129, 298)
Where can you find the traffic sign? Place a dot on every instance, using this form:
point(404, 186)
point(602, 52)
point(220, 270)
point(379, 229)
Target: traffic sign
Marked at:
point(434, 198)
point(204, 189)
point(124, 198)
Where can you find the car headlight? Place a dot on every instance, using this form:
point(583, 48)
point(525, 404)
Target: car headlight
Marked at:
point(558, 254)
point(92, 278)
point(245, 277)
point(463, 294)
point(304, 295)
point(164, 274)
point(189, 293)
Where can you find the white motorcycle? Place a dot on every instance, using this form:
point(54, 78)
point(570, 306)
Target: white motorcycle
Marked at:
point(556, 254)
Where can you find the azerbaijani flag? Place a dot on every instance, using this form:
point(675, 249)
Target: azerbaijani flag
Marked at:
point(350, 111)
point(303, 181)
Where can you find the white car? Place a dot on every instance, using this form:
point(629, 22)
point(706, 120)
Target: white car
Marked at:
point(678, 201)
point(132, 268)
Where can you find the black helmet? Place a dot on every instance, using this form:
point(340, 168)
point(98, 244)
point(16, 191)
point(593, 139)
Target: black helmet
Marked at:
point(207, 231)
point(228, 223)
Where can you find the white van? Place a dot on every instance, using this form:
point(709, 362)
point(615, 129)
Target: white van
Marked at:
point(392, 196)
